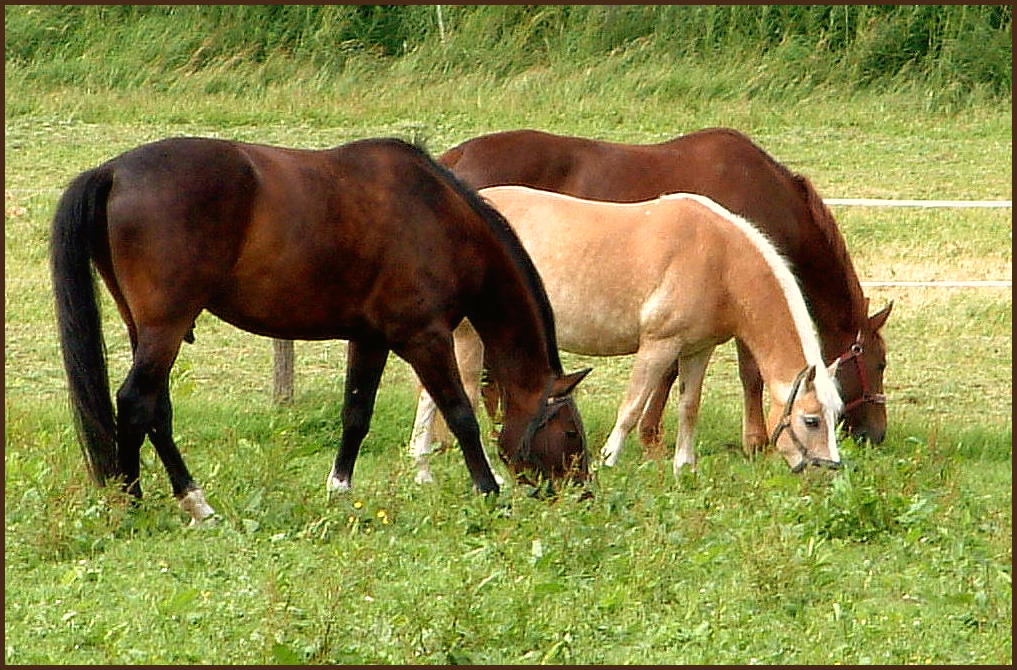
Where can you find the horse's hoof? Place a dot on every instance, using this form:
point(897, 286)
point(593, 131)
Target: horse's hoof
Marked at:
point(683, 466)
point(334, 486)
point(193, 502)
point(208, 522)
point(424, 477)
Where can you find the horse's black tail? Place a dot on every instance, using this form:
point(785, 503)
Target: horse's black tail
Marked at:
point(78, 224)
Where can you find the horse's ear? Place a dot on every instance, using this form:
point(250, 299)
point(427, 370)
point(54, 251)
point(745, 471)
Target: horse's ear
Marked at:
point(564, 385)
point(810, 376)
point(877, 320)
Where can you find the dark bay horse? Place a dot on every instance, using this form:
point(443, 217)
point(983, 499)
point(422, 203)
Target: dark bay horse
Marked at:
point(727, 167)
point(372, 242)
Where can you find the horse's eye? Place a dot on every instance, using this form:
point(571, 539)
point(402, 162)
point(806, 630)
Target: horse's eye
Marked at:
point(811, 421)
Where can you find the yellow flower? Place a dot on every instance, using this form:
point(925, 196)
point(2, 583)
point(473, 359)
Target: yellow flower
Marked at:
point(382, 514)
point(358, 504)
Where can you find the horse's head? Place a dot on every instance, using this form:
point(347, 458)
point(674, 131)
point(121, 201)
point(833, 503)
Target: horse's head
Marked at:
point(553, 446)
point(802, 428)
point(860, 376)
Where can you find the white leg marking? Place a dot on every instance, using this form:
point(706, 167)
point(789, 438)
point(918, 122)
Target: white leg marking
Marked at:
point(420, 440)
point(334, 485)
point(193, 502)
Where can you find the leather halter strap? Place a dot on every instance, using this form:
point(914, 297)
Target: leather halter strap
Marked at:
point(550, 406)
point(785, 421)
point(854, 353)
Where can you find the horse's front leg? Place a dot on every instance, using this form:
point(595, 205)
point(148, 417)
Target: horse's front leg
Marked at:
point(652, 362)
point(754, 436)
point(431, 356)
point(690, 391)
point(428, 425)
point(651, 423)
point(365, 361)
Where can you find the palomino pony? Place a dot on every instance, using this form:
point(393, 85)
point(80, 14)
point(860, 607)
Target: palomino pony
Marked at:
point(669, 280)
point(727, 167)
point(372, 242)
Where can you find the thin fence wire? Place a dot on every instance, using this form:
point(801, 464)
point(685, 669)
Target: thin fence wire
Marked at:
point(848, 202)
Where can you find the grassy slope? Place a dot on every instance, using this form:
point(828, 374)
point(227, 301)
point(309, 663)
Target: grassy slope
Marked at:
point(905, 557)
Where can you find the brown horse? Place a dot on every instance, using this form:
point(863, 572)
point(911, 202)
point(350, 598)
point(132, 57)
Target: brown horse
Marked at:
point(372, 242)
point(727, 167)
point(668, 280)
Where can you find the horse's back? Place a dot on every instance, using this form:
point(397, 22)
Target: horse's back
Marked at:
point(303, 244)
point(618, 271)
point(720, 163)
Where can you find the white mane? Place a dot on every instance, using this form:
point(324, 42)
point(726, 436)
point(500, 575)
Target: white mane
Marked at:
point(826, 387)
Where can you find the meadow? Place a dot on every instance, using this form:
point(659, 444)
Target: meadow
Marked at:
point(902, 557)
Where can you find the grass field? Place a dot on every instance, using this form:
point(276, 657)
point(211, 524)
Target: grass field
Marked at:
point(902, 557)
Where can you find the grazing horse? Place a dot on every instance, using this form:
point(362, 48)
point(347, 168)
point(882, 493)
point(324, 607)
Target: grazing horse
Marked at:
point(372, 242)
point(668, 280)
point(727, 167)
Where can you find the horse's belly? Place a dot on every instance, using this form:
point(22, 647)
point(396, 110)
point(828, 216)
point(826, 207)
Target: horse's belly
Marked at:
point(593, 329)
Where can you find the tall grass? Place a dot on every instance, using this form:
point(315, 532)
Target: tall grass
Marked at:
point(951, 51)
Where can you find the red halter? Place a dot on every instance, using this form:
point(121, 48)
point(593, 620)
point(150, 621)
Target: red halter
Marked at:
point(854, 353)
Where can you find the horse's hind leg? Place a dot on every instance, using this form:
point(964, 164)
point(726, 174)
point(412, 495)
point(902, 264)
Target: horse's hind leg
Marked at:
point(187, 492)
point(143, 408)
point(690, 390)
point(365, 363)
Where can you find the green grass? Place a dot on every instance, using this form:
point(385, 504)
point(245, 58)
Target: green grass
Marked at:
point(902, 557)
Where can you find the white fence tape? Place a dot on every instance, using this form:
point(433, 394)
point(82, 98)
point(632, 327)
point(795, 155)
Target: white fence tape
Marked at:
point(875, 202)
point(988, 283)
point(856, 202)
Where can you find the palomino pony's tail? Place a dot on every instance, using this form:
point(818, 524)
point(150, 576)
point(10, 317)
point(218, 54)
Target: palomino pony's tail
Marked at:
point(79, 221)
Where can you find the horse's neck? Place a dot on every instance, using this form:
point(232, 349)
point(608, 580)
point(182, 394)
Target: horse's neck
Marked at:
point(767, 323)
point(775, 344)
point(517, 357)
point(514, 330)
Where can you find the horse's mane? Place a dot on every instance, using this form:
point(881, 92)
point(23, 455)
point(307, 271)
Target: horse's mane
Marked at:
point(825, 385)
point(822, 219)
point(510, 241)
point(827, 226)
